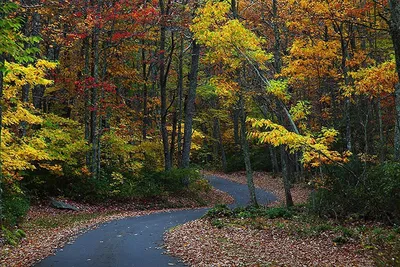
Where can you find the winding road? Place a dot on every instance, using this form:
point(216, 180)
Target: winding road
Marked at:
point(137, 241)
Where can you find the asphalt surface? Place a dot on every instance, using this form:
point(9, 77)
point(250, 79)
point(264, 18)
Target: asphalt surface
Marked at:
point(137, 241)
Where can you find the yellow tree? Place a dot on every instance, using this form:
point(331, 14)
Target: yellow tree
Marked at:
point(231, 45)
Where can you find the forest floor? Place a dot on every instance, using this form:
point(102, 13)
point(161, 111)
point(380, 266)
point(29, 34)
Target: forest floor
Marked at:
point(301, 240)
point(48, 228)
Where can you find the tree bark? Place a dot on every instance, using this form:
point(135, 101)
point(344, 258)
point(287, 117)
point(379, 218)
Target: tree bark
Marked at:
point(173, 136)
point(38, 90)
point(163, 89)
point(274, 160)
point(286, 176)
point(94, 133)
point(344, 50)
point(190, 106)
point(86, 74)
point(221, 148)
point(278, 65)
point(236, 126)
point(87, 102)
point(277, 45)
point(382, 144)
point(246, 153)
point(145, 93)
point(180, 100)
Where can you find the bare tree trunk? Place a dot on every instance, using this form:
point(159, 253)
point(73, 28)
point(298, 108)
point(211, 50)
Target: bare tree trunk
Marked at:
point(180, 100)
point(94, 134)
point(274, 160)
point(344, 49)
point(163, 90)
point(38, 90)
point(173, 136)
point(246, 153)
point(87, 103)
point(236, 126)
point(215, 141)
point(382, 145)
point(190, 106)
point(145, 108)
point(221, 148)
point(277, 36)
point(286, 176)
point(278, 65)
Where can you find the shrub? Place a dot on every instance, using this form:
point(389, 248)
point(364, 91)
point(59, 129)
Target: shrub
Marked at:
point(373, 195)
point(15, 206)
point(12, 237)
point(273, 213)
point(219, 211)
point(155, 183)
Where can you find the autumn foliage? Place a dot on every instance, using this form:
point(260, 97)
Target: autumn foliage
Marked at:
point(95, 94)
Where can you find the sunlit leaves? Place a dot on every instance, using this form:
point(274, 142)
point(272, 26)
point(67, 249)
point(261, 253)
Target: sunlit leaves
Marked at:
point(278, 88)
point(228, 40)
point(301, 110)
point(315, 148)
point(225, 89)
point(312, 61)
point(373, 81)
point(17, 153)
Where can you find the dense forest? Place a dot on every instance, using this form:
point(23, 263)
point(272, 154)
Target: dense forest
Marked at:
point(122, 99)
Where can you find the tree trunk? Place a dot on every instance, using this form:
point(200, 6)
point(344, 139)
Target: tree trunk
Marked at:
point(286, 176)
point(277, 45)
point(190, 106)
point(38, 90)
point(236, 126)
point(221, 148)
point(145, 108)
point(278, 66)
point(94, 134)
point(86, 74)
point(382, 145)
point(246, 153)
point(180, 100)
point(163, 89)
point(344, 49)
point(274, 160)
point(173, 136)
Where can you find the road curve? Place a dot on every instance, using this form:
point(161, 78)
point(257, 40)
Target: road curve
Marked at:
point(137, 241)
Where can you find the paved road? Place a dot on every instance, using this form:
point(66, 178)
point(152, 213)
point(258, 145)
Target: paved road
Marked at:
point(136, 241)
